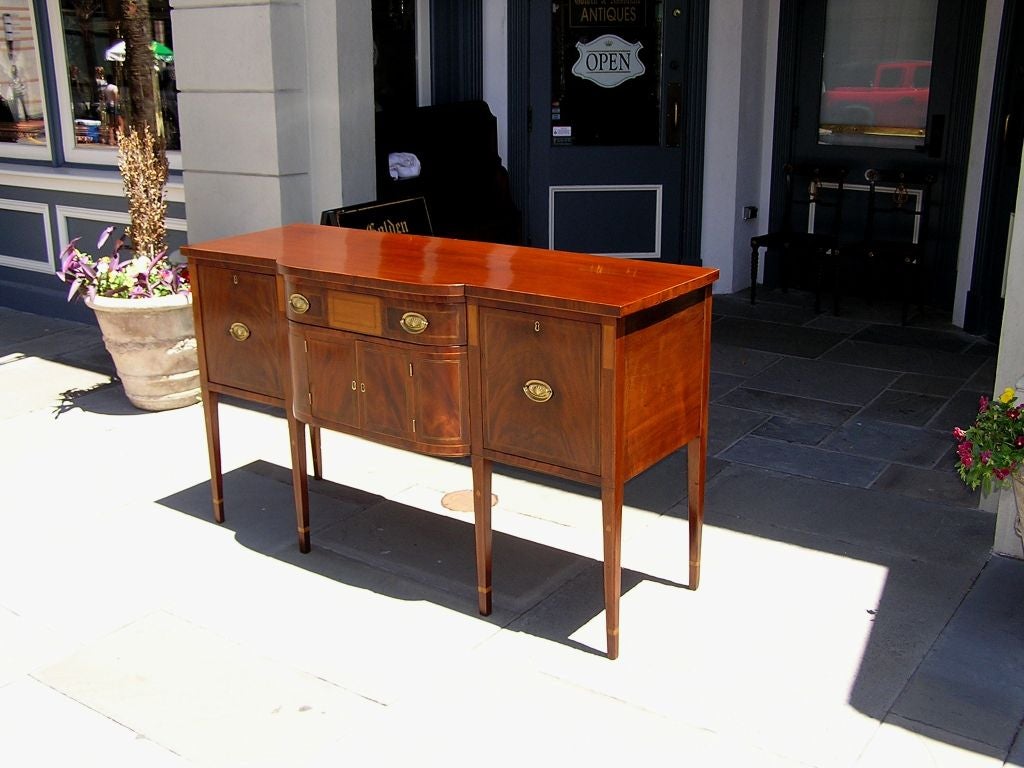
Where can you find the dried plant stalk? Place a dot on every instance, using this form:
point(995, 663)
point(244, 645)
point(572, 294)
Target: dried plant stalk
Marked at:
point(144, 173)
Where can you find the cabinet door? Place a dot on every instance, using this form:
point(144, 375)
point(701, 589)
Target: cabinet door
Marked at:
point(440, 398)
point(240, 339)
point(384, 389)
point(332, 380)
point(540, 382)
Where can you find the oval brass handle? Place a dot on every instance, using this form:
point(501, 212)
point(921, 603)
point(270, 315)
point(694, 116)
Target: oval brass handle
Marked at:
point(414, 322)
point(239, 331)
point(538, 391)
point(299, 303)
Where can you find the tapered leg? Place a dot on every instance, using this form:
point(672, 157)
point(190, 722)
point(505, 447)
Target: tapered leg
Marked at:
point(695, 470)
point(211, 402)
point(300, 483)
point(314, 443)
point(611, 514)
point(482, 529)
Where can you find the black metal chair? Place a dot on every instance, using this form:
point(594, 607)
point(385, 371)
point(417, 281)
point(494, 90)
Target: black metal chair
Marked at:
point(895, 240)
point(810, 226)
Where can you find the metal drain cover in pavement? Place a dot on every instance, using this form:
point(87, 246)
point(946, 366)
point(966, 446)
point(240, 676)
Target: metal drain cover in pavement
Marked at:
point(462, 501)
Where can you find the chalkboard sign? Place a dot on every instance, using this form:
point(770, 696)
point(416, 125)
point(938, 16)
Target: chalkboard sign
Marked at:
point(408, 217)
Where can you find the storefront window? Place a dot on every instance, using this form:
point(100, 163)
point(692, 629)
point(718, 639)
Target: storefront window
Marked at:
point(22, 106)
point(876, 72)
point(96, 92)
point(606, 72)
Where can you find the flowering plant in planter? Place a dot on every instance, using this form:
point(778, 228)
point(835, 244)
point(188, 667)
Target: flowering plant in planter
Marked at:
point(147, 272)
point(136, 277)
point(992, 449)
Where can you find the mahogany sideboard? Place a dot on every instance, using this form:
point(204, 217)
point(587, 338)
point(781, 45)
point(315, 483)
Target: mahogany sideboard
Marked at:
point(586, 367)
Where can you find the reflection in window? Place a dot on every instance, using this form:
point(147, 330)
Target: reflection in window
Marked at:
point(101, 95)
point(394, 54)
point(876, 72)
point(22, 118)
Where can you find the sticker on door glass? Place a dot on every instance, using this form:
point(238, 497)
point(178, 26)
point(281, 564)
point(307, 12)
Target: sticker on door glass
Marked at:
point(608, 61)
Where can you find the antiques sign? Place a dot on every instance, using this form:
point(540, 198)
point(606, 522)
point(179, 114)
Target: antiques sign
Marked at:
point(607, 13)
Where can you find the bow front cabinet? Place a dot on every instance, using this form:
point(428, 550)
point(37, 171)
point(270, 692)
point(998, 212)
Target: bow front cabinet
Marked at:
point(585, 367)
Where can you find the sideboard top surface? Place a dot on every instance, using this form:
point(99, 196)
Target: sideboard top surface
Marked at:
point(445, 267)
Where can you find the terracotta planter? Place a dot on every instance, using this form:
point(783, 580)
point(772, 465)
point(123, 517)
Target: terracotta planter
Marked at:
point(153, 344)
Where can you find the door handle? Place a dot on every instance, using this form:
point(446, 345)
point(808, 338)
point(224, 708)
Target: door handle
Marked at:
point(674, 115)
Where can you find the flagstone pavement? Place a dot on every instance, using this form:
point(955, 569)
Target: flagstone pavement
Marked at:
point(850, 613)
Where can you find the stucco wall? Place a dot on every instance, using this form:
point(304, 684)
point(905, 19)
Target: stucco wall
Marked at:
point(738, 136)
point(276, 114)
point(1010, 366)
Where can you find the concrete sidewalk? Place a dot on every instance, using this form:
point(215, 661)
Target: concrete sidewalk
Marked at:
point(835, 625)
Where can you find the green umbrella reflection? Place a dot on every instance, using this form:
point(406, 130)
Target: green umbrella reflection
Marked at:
point(160, 51)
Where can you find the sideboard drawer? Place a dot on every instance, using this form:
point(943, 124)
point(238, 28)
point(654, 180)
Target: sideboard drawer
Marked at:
point(540, 384)
point(240, 329)
point(417, 320)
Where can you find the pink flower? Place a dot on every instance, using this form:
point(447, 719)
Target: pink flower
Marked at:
point(958, 433)
point(982, 404)
point(986, 457)
point(967, 461)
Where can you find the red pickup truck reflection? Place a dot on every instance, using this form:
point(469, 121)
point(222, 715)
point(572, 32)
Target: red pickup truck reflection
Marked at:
point(896, 98)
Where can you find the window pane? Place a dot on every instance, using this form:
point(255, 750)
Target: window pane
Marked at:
point(101, 96)
point(22, 112)
point(606, 72)
point(876, 72)
point(394, 54)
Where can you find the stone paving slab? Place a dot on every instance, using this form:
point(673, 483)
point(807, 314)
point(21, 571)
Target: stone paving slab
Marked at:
point(793, 430)
point(773, 337)
point(895, 357)
point(820, 380)
point(864, 436)
point(972, 681)
point(41, 728)
point(805, 461)
point(804, 408)
point(898, 407)
point(907, 743)
point(208, 700)
point(35, 384)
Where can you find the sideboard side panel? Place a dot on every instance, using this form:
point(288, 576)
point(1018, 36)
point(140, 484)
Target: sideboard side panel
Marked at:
point(665, 389)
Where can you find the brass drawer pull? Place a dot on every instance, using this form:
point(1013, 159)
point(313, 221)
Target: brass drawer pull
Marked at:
point(299, 303)
point(538, 391)
point(239, 331)
point(414, 322)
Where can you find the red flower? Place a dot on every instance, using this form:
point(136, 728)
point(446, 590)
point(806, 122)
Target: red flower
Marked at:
point(986, 457)
point(982, 404)
point(958, 433)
